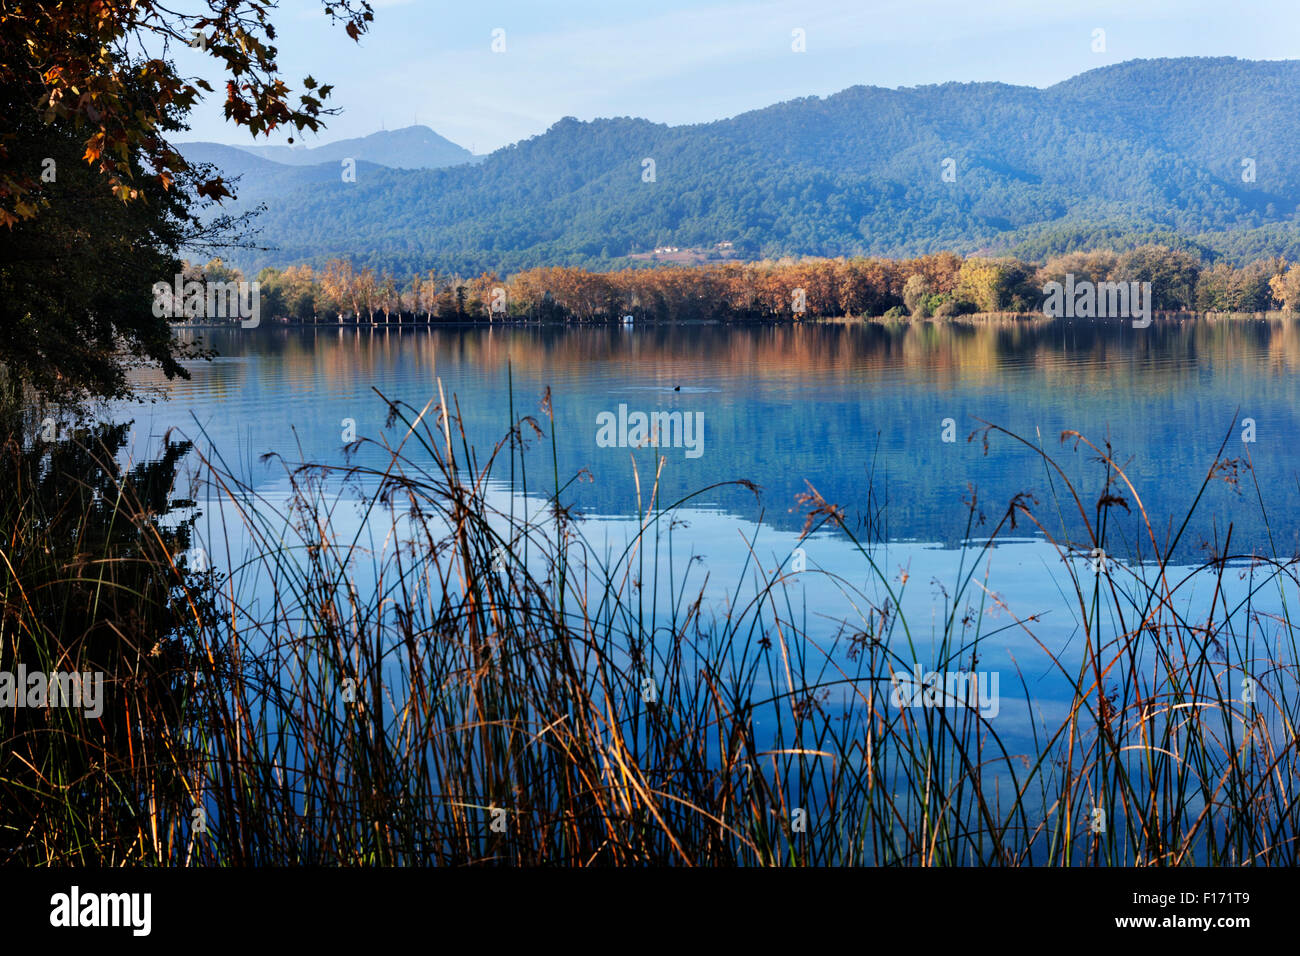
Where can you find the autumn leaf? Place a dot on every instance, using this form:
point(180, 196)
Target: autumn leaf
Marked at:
point(214, 189)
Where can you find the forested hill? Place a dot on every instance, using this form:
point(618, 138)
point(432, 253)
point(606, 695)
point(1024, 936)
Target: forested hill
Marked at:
point(1122, 154)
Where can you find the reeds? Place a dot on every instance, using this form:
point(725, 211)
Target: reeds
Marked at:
point(464, 678)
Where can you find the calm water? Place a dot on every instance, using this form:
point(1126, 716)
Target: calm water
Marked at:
point(857, 411)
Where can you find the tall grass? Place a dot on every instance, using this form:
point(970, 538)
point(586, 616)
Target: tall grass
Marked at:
point(464, 678)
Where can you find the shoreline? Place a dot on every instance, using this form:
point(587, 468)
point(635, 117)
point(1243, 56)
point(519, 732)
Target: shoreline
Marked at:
point(972, 318)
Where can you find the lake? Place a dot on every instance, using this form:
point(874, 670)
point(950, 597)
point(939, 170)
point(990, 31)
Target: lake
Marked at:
point(857, 410)
point(884, 421)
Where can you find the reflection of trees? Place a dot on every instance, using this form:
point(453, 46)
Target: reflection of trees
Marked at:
point(807, 401)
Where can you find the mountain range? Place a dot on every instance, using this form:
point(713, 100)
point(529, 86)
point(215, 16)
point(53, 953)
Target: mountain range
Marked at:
point(1195, 152)
point(412, 147)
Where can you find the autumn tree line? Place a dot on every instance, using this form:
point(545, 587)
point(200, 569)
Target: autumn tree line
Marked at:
point(932, 286)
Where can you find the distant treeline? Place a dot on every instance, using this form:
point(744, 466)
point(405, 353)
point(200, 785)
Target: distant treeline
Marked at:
point(937, 285)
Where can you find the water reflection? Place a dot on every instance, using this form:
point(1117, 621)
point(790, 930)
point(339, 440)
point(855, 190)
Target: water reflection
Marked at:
point(858, 410)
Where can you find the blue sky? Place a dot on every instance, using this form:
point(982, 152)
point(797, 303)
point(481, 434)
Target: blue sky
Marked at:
point(691, 61)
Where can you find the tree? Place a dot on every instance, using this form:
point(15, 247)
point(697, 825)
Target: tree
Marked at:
point(292, 294)
point(95, 198)
point(915, 292)
point(1173, 275)
point(76, 303)
point(303, 294)
point(427, 299)
point(341, 284)
point(389, 300)
point(368, 292)
point(75, 64)
point(1286, 288)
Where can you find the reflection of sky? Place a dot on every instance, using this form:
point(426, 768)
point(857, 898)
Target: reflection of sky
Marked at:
point(857, 411)
point(1015, 602)
point(777, 419)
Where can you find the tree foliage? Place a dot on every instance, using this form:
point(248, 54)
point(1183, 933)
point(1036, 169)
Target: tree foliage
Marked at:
point(938, 285)
point(95, 198)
